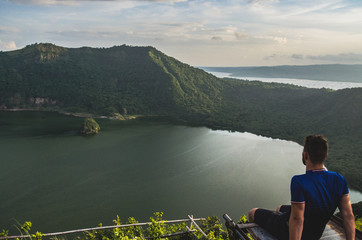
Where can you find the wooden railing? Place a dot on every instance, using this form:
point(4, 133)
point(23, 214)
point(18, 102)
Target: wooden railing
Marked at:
point(188, 229)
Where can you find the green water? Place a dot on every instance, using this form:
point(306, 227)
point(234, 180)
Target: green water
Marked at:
point(62, 181)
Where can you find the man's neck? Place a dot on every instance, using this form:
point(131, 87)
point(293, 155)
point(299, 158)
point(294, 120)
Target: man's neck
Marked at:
point(314, 167)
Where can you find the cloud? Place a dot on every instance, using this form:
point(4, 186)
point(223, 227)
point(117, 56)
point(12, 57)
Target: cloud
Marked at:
point(297, 56)
point(241, 36)
point(216, 38)
point(5, 30)
point(342, 57)
point(279, 40)
point(299, 31)
point(77, 2)
point(262, 2)
point(7, 46)
point(74, 34)
point(260, 38)
point(331, 58)
point(45, 2)
point(169, 1)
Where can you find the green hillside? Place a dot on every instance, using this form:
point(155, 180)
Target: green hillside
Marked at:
point(144, 81)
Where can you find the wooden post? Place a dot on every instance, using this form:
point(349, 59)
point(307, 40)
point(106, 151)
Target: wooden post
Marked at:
point(202, 232)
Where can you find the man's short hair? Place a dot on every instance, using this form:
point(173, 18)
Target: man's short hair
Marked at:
point(317, 148)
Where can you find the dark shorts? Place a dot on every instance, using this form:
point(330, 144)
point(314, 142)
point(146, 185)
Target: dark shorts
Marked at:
point(276, 223)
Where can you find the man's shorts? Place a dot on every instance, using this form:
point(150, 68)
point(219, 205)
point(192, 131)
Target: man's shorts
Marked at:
point(276, 223)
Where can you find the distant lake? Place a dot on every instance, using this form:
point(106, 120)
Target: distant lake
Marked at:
point(299, 82)
point(62, 181)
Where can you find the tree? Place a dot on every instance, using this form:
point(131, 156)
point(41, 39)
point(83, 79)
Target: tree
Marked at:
point(90, 127)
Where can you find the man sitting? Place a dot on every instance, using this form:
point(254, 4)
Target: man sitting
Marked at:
point(315, 196)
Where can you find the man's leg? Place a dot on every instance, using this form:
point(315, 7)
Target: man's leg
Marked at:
point(274, 222)
point(252, 214)
point(284, 209)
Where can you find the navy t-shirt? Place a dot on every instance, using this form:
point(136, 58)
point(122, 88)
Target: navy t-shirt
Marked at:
point(321, 191)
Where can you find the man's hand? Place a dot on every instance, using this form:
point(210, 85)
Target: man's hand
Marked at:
point(348, 219)
point(296, 221)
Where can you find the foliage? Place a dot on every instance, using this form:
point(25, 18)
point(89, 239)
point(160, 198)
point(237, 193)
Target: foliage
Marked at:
point(359, 224)
point(90, 126)
point(213, 228)
point(357, 209)
point(244, 219)
point(144, 81)
point(156, 229)
point(4, 233)
point(24, 229)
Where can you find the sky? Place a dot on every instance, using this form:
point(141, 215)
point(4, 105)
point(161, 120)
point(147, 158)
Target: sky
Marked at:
point(196, 32)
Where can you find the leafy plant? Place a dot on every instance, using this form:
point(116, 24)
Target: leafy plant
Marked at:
point(213, 228)
point(359, 224)
point(4, 233)
point(157, 228)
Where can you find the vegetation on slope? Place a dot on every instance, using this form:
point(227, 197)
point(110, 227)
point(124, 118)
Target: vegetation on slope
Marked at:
point(144, 81)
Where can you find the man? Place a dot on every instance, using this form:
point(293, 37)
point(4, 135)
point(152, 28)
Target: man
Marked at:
point(315, 196)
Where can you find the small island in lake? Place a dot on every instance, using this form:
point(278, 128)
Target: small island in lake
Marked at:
point(90, 127)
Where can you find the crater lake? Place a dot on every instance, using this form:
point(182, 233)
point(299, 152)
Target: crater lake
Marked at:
point(60, 180)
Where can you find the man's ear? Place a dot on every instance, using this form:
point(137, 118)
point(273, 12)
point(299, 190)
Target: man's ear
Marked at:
point(305, 155)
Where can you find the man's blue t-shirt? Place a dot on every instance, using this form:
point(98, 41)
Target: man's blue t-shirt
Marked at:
point(321, 191)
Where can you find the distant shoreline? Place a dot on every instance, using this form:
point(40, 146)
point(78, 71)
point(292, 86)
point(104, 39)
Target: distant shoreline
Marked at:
point(43, 110)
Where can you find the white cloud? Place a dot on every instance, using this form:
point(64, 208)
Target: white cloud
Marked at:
point(7, 46)
point(262, 2)
point(216, 38)
point(241, 35)
point(44, 2)
point(279, 40)
point(77, 2)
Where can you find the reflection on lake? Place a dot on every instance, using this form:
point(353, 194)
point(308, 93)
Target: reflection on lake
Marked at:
point(61, 181)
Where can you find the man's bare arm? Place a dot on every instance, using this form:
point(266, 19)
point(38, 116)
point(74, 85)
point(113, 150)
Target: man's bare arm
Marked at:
point(348, 219)
point(296, 221)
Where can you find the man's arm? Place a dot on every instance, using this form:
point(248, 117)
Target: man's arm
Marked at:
point(296, 221)
point(348, 219)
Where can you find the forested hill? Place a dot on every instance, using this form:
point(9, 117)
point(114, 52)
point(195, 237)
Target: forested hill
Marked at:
point(144, 81)
point(136, 80)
